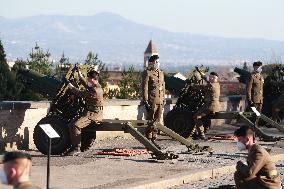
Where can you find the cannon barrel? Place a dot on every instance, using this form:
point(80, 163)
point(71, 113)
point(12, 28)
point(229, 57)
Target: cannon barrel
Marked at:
point(174, 84)
point(244, 74)
point(48, 86)
point(45, 85)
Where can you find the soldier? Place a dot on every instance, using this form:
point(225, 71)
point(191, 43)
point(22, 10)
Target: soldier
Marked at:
point(278, 104)
point(210, 106)
point(254, 88)
point(153, 88)
point(260, 171)
point(17, 169)
point(93, 95)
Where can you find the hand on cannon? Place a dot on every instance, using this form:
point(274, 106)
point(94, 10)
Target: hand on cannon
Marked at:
point(76, 67)
point(65, 80)
point(147, 106)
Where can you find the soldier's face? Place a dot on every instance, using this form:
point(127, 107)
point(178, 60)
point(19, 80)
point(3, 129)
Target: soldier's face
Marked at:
point(257, 68)
point(93, 80)
point(213, 78)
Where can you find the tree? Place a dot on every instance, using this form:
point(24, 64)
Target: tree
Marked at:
point(63, 66)
point(4, 71)
point(9, 88)
point(23, 92)
point(130, 84)
point(92, 59)
point(39, 60)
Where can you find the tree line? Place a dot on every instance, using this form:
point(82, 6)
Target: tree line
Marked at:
point(12, 88)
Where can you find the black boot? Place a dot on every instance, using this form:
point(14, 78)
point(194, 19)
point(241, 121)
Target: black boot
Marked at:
point(74, 151)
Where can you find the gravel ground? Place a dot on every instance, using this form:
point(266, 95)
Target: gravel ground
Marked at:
point(98, 171)
point(222, 180)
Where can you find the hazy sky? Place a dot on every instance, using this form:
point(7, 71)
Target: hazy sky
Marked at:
point(227, 18)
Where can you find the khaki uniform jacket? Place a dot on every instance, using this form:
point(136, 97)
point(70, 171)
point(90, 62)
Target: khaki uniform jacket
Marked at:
point(92, 95)
point(153, 86)
point(254, 88)
point(212, 96)
point(26, 185)
point(258, 164)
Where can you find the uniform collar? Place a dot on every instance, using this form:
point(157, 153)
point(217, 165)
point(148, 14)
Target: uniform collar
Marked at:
point(20, 184)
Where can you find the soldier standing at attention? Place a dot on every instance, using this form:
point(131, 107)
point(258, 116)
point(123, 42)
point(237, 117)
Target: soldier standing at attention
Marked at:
point(260, 171)
point(153, 88)
point(254, 88)
point(93, 95)
point(211, 105)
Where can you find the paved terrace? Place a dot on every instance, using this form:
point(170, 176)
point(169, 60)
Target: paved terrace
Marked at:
point(100, 171)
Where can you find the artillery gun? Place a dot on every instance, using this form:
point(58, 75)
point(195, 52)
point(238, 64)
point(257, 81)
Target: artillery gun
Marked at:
point(66, 107)
point(271, 91)
point(191, 98)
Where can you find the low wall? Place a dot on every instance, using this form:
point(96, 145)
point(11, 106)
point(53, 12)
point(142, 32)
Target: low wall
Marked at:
point(18, 119)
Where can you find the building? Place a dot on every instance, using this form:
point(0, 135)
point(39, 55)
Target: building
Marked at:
point(150, 50)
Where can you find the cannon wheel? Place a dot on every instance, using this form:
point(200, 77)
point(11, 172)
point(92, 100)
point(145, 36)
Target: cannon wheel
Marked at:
point(180, 121)
point(58, 145)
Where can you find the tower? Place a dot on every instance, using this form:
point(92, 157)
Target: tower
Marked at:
point(150, 50)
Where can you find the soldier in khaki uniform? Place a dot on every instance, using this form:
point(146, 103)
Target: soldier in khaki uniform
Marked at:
point(93, 95)
point(17, 169)
point(153, 88)
point(260, 171)
point(254, 87)
point(211, 105)
point(278, 104)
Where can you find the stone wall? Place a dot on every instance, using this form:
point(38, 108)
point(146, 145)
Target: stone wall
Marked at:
point(18, 119)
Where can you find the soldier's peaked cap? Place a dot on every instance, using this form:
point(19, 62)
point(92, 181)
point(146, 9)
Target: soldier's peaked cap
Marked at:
point(153, 58)
point(9, 156)
point(214, 73)
point(258, 63)
point(95, 70)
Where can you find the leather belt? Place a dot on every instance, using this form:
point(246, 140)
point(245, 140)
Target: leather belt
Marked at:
point(94, 108)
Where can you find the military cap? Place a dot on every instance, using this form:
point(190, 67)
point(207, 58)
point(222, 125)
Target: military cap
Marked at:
point(9, 156)
point(243, 131)
point(153, 58)
point(258, 63)
point(214, 73)
point(95, 70)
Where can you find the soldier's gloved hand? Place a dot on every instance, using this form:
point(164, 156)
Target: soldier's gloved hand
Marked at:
point(239, 165)
point(147, 106)
point(65, 80)
point(76, 67)
point(250, 103)
point(164, 102)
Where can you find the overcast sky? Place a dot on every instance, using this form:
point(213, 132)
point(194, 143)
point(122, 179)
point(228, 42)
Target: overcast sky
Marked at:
point(226, 18)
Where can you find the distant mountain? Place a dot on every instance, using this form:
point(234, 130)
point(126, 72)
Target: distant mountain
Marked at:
point(121, 41)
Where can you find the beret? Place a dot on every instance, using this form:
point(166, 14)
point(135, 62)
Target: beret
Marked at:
point(243, 131)
point(8, 156)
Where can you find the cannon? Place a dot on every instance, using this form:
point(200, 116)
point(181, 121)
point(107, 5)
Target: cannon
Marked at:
point(66, 107)
point(271, 91)
point(191, 98)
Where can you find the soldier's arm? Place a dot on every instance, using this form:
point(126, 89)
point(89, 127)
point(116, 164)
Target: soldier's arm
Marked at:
point(248, 88)
point(82, 79)
point(164, 85)
point(77, 92)
point(145, 79)
point(249, 172)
